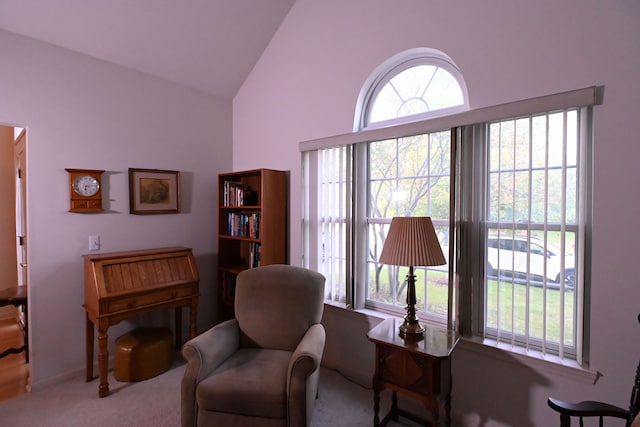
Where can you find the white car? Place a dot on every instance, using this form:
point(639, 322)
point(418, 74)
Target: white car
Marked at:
point(506, 255)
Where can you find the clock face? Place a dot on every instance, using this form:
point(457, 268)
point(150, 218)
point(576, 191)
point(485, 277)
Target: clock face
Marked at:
point(86, 185)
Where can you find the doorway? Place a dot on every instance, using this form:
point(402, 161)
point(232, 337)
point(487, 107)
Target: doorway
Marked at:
point(14, 367)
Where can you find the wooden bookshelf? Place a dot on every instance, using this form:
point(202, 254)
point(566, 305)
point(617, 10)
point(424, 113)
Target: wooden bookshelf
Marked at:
point(252, 220)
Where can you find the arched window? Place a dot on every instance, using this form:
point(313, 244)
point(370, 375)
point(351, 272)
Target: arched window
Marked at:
point(507, 188)
point(412, 85)
point(408, 176)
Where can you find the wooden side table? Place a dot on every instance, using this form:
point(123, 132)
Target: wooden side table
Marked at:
point(420, 369)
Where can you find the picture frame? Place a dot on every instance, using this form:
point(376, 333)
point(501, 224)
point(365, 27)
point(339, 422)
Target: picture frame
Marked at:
point(154, 191)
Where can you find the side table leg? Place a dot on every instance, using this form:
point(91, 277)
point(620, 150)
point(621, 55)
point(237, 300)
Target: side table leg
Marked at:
point(376, 407)
point(394, 406)
point(89, 349)
point(103, 362)
point(447, 409)
point(436, 416)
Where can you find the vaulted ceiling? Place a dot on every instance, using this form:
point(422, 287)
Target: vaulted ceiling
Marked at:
point(208, 45)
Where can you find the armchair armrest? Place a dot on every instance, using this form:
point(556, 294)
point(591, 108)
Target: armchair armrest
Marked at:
point(203, 354)
point(305, 362)
point(307, 356)
point(587, 409)
point(208, 350)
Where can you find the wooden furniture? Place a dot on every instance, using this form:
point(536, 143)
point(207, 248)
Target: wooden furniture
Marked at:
point(142, 353)
point(420, 369)
point(121, 285)
point(85, 190)
point(252, 220)
point(600, 410)
point(17, 297)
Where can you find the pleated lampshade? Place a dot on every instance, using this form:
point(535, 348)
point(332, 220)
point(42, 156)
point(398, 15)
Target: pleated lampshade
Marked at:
point(412, 241)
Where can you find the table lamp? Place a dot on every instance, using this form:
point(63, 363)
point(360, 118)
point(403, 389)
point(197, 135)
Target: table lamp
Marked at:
point(411, 242)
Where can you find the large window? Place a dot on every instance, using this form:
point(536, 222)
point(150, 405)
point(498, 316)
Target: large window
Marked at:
point(507, 189)
point(407, 176)
point(530, 225)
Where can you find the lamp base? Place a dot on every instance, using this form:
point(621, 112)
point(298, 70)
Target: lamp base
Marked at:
point(411, 328)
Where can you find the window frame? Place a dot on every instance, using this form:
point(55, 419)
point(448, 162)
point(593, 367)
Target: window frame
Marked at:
point(473, 238)
point(464, 122)
point(398, 308)
point(396, 65)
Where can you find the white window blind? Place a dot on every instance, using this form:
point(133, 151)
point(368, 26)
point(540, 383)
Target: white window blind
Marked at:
point(534, 231)
point(328, 218)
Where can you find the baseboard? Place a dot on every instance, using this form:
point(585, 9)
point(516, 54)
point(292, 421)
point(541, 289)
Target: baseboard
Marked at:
point(81, 372)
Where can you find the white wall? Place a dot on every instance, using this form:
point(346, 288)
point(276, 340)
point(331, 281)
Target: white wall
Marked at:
point(83, 113)
point(306, 84)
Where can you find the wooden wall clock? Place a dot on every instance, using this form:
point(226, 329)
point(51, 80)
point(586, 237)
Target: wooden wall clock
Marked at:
point(85, 190)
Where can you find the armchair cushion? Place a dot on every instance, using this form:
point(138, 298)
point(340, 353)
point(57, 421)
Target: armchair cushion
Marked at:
point(251, 382)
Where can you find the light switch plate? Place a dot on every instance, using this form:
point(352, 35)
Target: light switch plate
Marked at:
point(94, 243)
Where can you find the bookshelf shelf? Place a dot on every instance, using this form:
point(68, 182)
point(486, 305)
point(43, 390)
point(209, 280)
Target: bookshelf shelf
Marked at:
point(243, 239)
point(252, 219)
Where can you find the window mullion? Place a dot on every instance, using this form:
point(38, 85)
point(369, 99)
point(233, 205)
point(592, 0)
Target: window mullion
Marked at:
point(545, 230)
point(513, 228)
point(563, 220)
point(528, 303)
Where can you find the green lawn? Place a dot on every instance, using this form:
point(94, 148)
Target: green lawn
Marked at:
point(512, 311)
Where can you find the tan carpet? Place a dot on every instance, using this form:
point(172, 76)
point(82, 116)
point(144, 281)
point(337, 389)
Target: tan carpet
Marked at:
point(156, 403)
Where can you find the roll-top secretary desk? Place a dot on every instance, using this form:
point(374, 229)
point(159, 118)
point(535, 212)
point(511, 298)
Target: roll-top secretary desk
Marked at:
point(121, 285)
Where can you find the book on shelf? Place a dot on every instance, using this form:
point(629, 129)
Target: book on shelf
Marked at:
point(238, 194)
point(244, 225)
point(254, 255)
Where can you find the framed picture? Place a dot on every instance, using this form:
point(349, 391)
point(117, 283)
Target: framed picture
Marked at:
point(153, 191)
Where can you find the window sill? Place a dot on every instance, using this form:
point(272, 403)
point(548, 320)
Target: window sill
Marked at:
point(549, 364)
point(349, 314)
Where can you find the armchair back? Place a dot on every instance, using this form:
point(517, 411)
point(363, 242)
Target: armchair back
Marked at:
point(276, 304)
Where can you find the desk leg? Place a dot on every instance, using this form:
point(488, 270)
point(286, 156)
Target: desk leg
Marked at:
point(178, 313)
point(193, 318)
point(89, 349)
point(103, 361)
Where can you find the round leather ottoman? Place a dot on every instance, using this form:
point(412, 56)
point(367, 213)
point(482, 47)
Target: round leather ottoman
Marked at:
point(143, 353)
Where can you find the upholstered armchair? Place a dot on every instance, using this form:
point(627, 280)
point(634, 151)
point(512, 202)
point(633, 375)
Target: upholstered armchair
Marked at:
point(261, 368)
